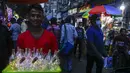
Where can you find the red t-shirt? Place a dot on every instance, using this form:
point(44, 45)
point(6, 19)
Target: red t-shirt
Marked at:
point(46, 41)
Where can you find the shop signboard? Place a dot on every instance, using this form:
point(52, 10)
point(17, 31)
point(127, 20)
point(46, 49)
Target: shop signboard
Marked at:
point(72, 11)
point(75, 10)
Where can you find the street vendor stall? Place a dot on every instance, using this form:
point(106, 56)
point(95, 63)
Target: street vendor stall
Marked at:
point(32, 62)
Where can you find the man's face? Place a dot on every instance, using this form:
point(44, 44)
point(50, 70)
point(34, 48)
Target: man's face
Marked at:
point(36, 17)
point(123, 32)
point(80, 25)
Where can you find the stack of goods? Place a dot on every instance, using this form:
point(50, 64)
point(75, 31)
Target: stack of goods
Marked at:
point(33, 61)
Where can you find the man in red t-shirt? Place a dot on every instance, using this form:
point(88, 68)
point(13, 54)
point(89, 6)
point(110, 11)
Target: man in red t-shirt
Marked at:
point(36, 36)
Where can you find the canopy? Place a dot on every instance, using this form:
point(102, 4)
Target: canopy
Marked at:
point(105, 9)
point(97, 10)
point(27, 1)
point(86, 14)
point(112, 10)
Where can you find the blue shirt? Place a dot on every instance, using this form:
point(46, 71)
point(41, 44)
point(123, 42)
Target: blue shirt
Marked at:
point(71, 33)
point(16, 30)
point(95, 36)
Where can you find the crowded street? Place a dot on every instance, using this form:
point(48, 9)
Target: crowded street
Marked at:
point(64, 36)
point(80, 67)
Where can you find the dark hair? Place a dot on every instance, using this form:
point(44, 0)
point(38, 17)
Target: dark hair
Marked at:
point(80, 23)
point(68, 19)
point(13, 20)
point(93, 19)
point(122, 30)
point(53, 20)
point(19, 21)
point(35, 6)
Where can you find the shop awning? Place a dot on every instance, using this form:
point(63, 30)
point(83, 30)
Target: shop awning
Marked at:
point(110, 10)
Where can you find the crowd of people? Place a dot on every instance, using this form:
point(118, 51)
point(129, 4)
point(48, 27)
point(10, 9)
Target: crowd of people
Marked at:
point(38, 32)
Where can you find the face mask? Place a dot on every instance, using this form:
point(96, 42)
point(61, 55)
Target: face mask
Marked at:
point(98, 23)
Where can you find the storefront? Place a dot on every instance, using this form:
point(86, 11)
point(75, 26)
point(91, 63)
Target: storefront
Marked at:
point(72, 13)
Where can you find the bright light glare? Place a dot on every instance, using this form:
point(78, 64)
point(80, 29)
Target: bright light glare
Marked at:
point(42, 4)
point(122, 6)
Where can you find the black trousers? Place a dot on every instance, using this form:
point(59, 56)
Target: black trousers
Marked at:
point(90, 62)
point(78, 44)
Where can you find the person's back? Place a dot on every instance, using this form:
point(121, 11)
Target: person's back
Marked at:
point(68, 34)
point(71, 32)
point(16, 30)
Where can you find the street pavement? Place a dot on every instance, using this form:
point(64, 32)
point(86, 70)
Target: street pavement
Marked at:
point(80, 67)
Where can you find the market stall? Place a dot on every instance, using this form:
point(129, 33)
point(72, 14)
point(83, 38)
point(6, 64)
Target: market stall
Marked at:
point(32, 62)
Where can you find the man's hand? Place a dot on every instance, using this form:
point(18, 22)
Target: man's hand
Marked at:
point(103, 58)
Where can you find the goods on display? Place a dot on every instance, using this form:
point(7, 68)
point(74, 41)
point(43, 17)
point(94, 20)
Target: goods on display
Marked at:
point(33, 61)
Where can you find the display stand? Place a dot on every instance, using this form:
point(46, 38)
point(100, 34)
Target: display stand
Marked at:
point(9, 70)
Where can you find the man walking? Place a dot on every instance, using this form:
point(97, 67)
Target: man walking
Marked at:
point(95, 48)
point(79, 41)
point(68, 35)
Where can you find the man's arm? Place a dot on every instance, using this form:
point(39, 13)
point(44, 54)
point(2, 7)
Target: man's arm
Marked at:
point(62, 34)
